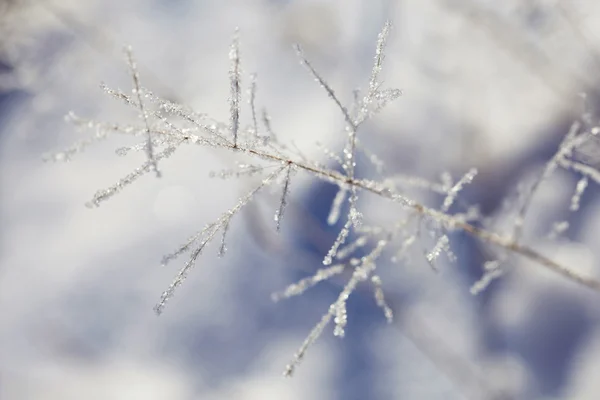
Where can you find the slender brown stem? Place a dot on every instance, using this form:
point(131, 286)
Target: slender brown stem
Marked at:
point(504, 242)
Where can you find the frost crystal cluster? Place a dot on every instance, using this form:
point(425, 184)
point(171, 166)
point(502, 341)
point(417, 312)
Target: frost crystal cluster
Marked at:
point(417, 228)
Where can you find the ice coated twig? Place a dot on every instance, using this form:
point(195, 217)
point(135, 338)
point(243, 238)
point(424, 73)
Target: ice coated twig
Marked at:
point(207, 236)
point(186, 246)
point(148, 166)
point(306, 283)
point(570, 141)
point(168, 126)
point(223, 246)
point(362, 271)
point(441, 245)
point(312, 337)
point(235, 95)
point(137, 90)
point(345, 252)
point(575, 200)
point(284, 196)
point(374, 82)
point(581, 168)
point(337, 310)
point(336, 206)
point(451, 196)
point(491, 271)
point(252, 103)
point(341, 238)
point(182, 275)
point(325, 86)
point(380, 299)
point(101, 131)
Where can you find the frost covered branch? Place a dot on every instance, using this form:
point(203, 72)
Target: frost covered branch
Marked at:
point(168, 126)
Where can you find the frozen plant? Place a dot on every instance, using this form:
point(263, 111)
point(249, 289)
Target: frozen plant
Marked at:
point(165, 127)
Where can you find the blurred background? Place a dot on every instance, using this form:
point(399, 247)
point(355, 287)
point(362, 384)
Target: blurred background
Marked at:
point(487, 84)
